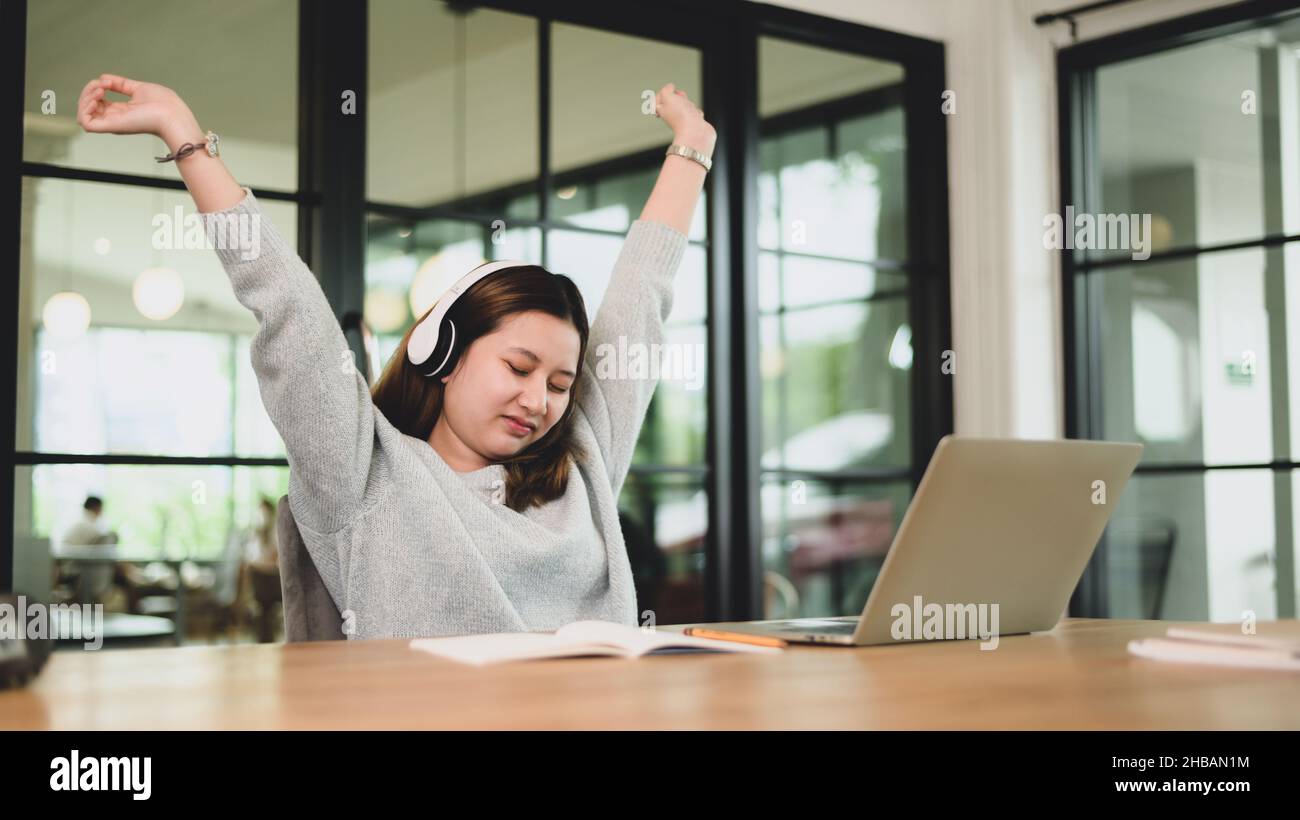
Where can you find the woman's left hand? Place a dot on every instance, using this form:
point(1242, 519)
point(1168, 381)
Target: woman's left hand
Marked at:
point(685, 119)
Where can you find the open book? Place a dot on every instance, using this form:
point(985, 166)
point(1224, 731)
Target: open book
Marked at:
point(575, 640)
point(1273, 645)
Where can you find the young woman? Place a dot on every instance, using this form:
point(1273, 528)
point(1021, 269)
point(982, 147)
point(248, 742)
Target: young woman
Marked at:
point(482, 498)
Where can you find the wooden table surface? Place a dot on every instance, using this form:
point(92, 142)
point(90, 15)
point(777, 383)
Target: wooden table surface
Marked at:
point(1077, 676)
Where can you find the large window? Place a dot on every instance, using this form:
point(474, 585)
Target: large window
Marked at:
point(1186, 338)
point(835, 349)
point(133, 374)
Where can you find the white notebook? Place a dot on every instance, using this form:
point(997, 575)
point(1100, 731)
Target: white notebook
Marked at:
point(1273, 645)
point(575, 640)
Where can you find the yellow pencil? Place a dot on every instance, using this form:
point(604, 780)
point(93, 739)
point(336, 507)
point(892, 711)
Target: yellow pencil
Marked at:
point(738, 637)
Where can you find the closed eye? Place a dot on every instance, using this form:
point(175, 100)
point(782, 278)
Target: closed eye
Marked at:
point(521, 373)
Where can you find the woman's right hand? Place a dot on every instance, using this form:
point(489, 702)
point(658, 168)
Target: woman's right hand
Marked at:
point(156, 109)
point(152, 109)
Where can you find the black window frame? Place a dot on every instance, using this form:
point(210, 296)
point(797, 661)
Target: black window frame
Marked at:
point(1077, 146)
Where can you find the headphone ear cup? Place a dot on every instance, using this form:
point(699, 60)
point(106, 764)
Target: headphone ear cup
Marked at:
point(440, 363)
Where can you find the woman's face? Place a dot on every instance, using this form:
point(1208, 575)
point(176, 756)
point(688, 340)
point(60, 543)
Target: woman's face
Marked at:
point(525, 370)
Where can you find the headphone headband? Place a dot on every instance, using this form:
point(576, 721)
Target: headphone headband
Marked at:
point(424, 339)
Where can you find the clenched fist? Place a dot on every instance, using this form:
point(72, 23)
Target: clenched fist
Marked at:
point(685, 119)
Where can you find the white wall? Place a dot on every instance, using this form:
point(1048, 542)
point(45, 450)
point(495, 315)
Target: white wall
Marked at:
point(1002, 166)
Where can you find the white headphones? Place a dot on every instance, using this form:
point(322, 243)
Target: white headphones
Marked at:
point(431, 342)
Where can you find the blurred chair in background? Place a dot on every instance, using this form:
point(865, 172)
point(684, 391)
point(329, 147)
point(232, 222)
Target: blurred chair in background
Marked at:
point(216, 609)
point(1147, 542)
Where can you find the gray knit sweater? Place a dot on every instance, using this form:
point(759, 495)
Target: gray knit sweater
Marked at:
point(407, 546)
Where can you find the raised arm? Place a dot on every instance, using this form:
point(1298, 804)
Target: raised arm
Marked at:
point(639, 296)
point(312, 391)
point(677, 190)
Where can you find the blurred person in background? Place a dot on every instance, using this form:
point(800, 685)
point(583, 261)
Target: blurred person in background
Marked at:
point(89, 529)
point(94, 579)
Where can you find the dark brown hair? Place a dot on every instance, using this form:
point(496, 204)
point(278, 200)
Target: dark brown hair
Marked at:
point(412, 401)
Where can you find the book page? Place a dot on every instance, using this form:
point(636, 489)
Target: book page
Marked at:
point(511, 646)
point(633, 639)
point(601, 638)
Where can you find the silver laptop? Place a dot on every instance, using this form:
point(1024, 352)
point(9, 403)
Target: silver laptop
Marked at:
point(1002, 522)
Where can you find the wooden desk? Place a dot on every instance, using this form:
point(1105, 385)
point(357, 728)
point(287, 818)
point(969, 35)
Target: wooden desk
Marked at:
point(1078, 676)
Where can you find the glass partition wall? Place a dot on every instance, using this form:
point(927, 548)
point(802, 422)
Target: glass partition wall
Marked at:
point(1181, 339)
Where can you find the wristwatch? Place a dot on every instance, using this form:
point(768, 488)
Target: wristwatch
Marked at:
point(212, 144)
point(677, 149)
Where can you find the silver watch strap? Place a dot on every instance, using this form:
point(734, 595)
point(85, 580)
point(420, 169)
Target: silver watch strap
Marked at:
point(677, 149)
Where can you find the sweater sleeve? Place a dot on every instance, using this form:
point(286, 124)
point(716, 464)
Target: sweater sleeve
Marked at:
point(636, 305)
point(315, 396)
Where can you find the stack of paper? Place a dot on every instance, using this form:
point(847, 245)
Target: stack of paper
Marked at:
point(1266, 645)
